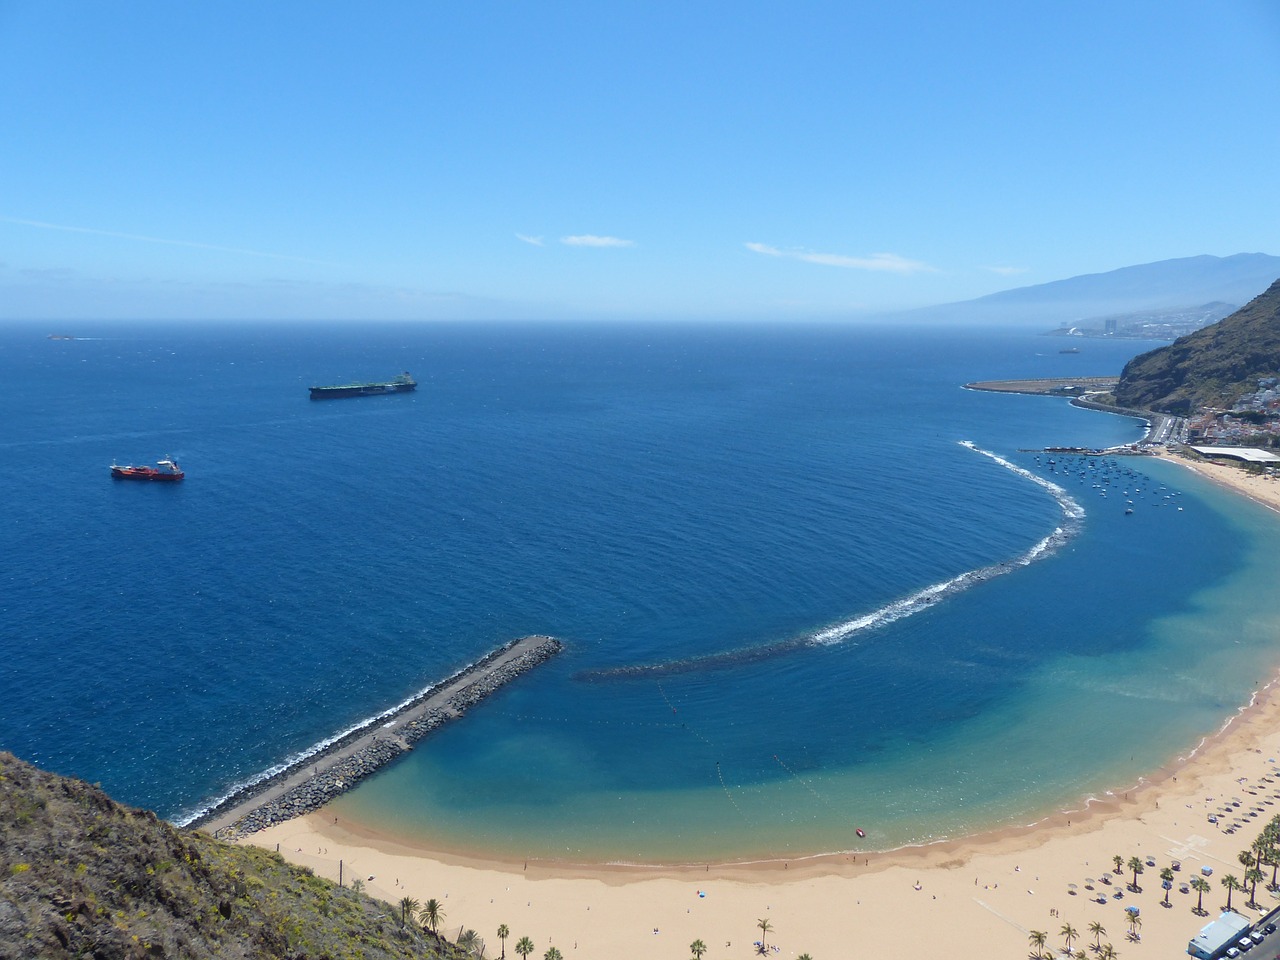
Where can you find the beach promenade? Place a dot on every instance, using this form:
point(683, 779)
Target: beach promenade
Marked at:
point(979, 897)
point(310, 782)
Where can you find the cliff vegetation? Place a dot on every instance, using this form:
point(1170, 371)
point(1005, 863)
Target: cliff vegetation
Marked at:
point(83, 876)
point(1210, 368)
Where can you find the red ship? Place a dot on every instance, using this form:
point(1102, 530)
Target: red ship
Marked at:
point(163, 470)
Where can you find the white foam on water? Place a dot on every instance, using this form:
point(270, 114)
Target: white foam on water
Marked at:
point(925, 598)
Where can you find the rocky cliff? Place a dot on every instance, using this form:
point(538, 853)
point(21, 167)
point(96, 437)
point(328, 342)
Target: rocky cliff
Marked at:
point(83, 876)
point(1211, 367)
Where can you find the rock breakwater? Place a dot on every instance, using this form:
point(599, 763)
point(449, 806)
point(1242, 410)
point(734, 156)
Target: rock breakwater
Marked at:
point(314, 780)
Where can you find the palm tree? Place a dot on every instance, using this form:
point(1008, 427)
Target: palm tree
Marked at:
point(552, 954)
point(1135, 864)
point(697, 948)
point(1108, 952)
point(503, 932)
point(1245, 858)
point(765, 926)
point(1272, 859)
point(804, 956)
point(1037, 939)
point(1098, 931)
point(1253, 876)
point(1119, 862)
point(1068, 933)
point(1166, 877)
point(524, 947)
point(1259, 848)
point(1135, 925)
point(471, 943)
point(431, 914)
point(1231, 883)
point(1201, 886)
point(408, 907)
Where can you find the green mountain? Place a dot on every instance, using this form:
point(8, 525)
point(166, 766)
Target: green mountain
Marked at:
point(1211, 367)
point(83, 876)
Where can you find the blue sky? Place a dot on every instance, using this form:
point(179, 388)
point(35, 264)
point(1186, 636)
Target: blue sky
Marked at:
point(617, 159)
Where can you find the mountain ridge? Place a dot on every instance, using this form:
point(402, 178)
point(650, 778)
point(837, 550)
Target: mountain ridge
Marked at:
point(1183, 282)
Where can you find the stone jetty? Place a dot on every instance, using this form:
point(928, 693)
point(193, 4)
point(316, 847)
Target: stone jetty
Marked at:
point(314, 780)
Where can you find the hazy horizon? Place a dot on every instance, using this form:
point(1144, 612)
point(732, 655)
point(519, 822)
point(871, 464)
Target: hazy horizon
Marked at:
point(575, 161)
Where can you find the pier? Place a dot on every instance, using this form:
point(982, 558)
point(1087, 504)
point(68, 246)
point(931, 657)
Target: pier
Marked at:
point(1162, 428)
point(1047, 386)
point(314, 780)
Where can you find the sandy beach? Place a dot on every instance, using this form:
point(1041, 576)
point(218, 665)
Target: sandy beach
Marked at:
point(979, 897)
point(1255, 486)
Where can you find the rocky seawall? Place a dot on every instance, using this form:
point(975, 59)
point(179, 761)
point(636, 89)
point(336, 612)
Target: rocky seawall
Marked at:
point(313, 781)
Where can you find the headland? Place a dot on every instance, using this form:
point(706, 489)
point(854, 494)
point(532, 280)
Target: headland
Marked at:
point(1048, 386)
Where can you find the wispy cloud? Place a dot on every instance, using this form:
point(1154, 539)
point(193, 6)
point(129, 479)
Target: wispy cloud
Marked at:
point(1007, 271)
point(533, 241)
point(880, 262)
point(591, 240)
point(162, 240)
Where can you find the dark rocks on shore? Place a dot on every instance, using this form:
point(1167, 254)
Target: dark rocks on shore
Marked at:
point(319, 789)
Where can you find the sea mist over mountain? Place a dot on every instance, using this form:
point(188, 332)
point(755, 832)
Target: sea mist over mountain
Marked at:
point(1165, 284)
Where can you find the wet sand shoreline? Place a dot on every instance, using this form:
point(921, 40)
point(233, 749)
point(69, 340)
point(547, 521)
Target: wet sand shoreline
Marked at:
point(980, 896)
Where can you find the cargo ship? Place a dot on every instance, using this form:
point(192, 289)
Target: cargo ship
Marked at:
point(401, 384)
point(163, 470)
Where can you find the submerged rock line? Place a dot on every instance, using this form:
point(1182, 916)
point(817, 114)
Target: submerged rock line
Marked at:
point(1072, 517)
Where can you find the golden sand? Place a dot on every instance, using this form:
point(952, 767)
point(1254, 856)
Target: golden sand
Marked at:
point(975, 898)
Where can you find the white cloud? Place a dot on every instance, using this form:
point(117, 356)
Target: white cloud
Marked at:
point(535, 241)
point(879, 262)
point(590, 240)
point(1008, 271)
point(163, 240)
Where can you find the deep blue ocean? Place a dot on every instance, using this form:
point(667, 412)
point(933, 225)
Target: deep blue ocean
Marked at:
point(794, 601)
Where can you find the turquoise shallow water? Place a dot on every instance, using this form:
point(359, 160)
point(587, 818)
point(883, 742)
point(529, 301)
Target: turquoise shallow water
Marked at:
point(658, 496)
point(1126, 691)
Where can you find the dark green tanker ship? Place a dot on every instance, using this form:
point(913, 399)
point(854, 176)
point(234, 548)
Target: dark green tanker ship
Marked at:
point(401, 384)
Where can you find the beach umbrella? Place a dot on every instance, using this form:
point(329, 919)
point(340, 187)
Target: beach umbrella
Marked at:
point(1132, 911)
point(1207, 871)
